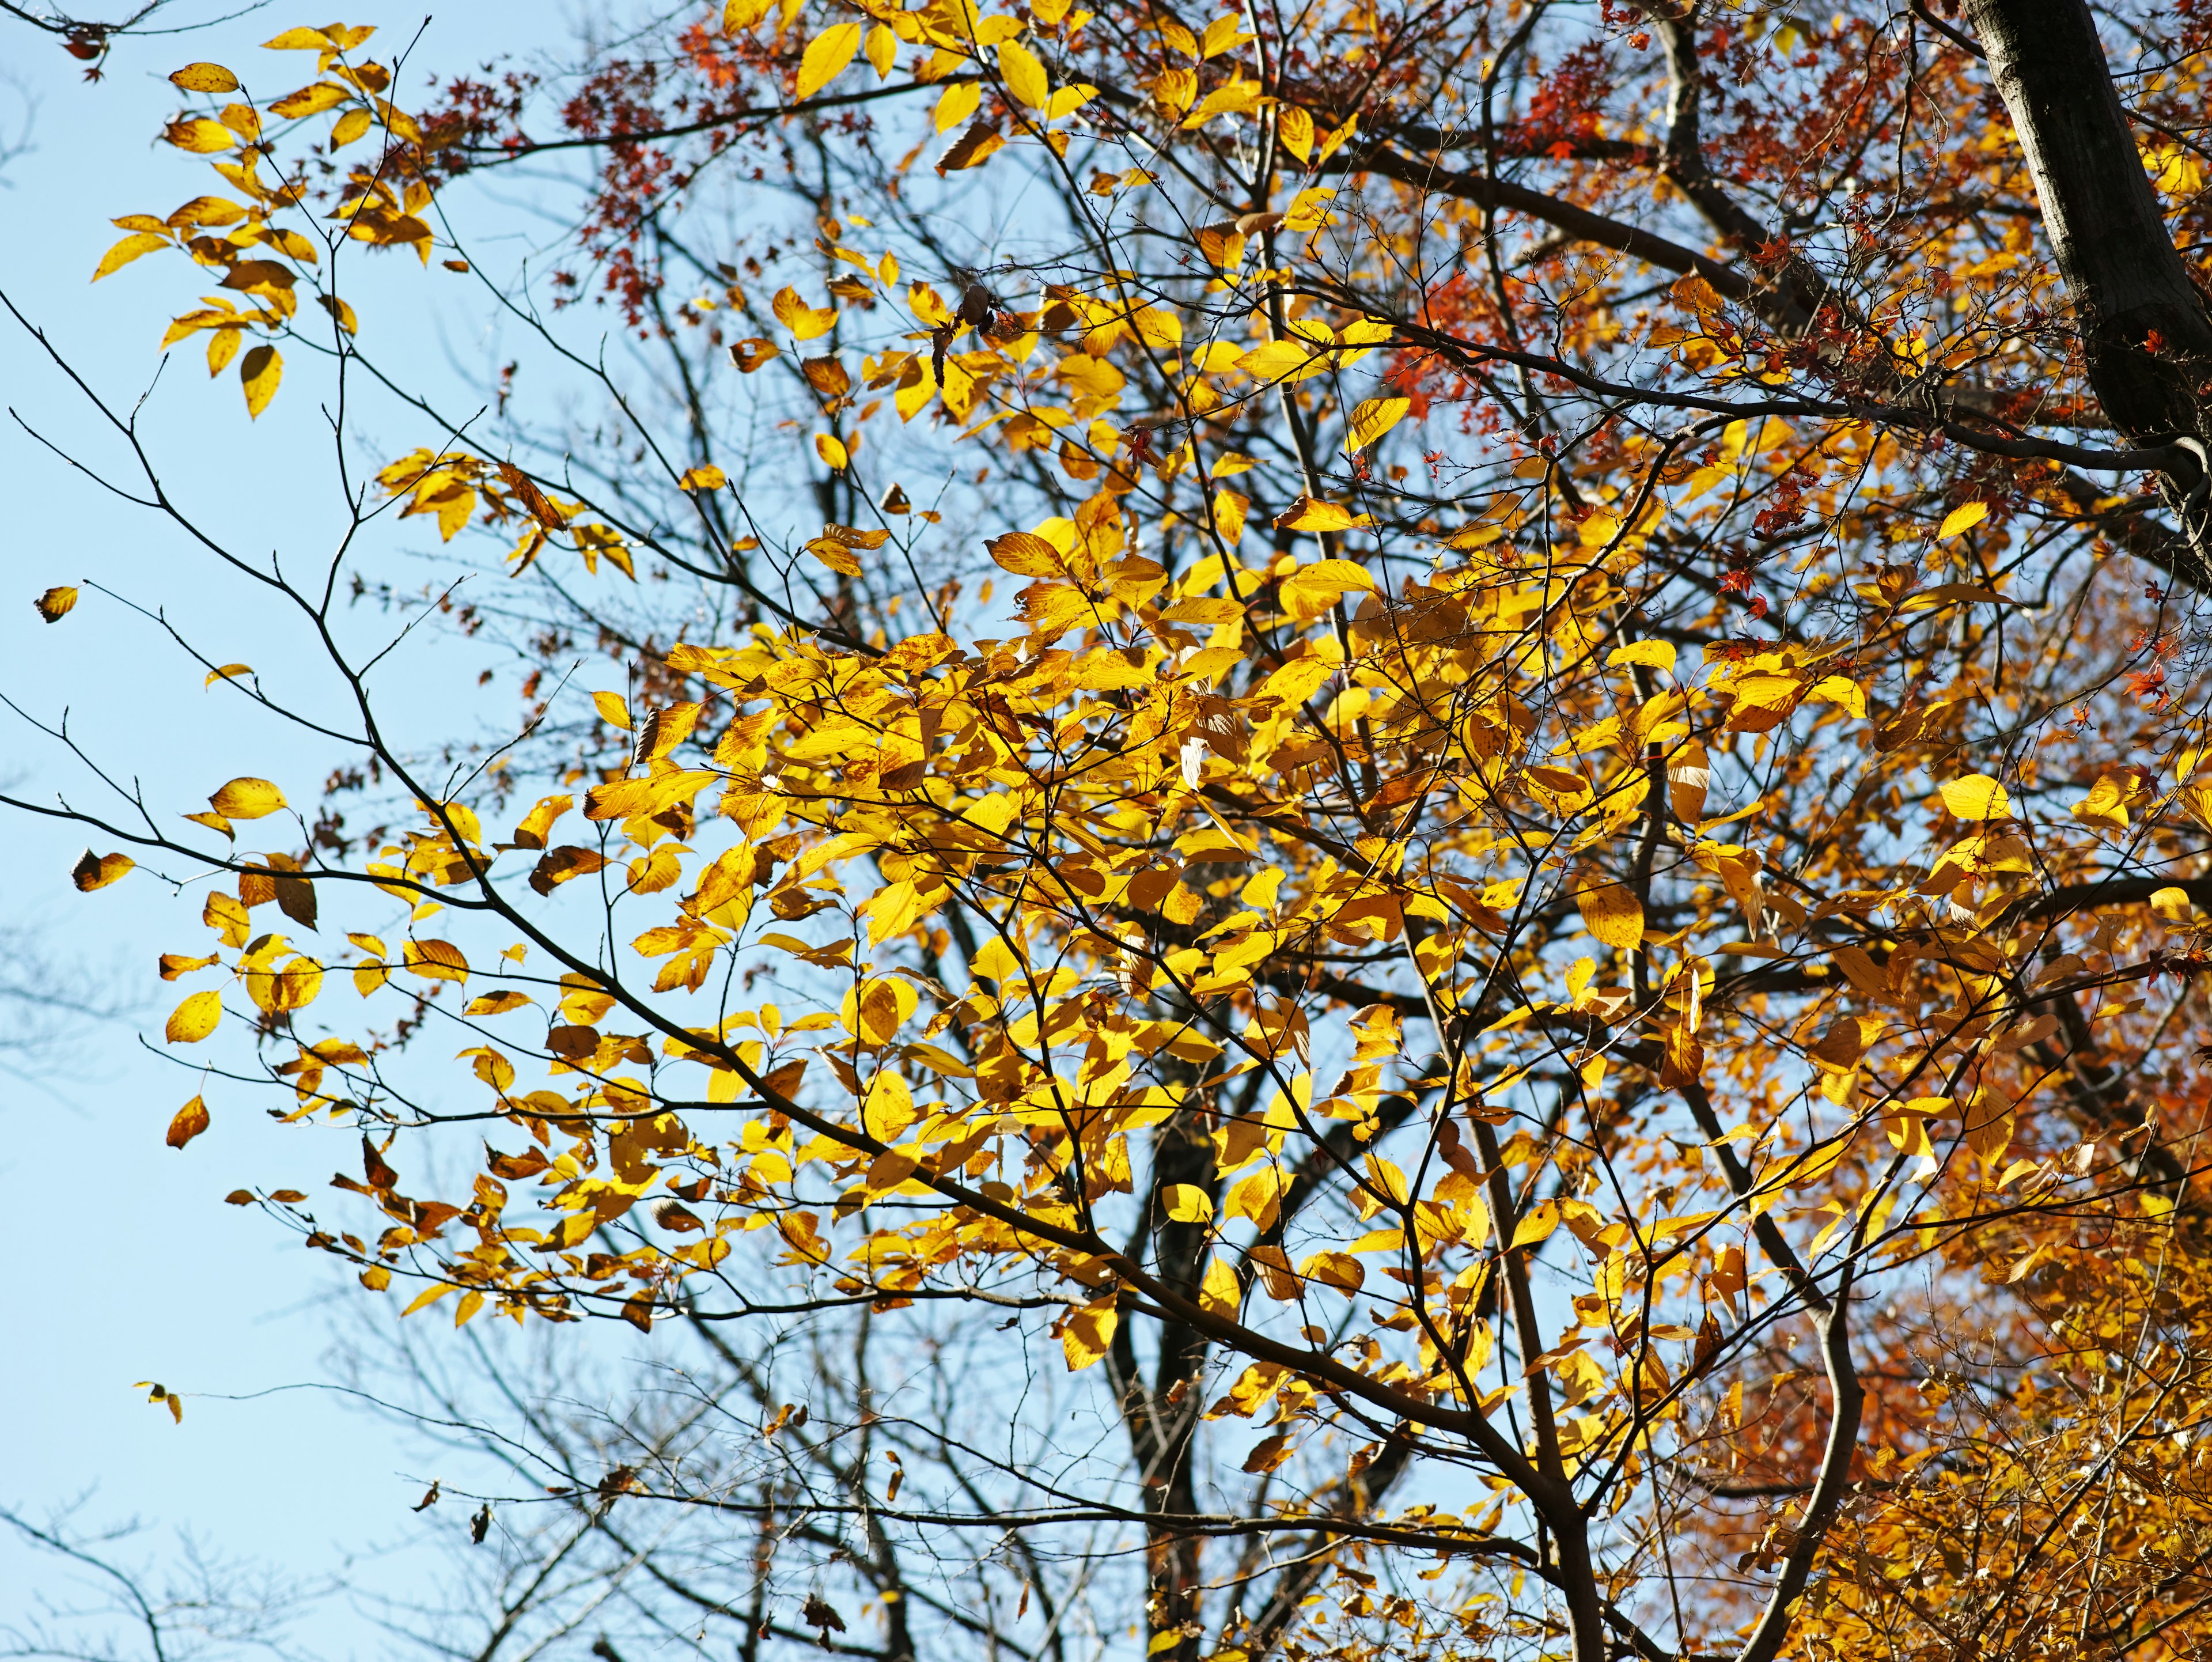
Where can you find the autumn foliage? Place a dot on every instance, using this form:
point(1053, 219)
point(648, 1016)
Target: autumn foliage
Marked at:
point(1558, 946)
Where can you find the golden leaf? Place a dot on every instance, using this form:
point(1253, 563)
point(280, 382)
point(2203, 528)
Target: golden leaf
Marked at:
point(1965, 517)
point(1652, 654)
point(956, 104)
point(1976, 797)
point(1086, 1335)
point(205, 78)
point(246, 799)
point(1025, 77)
point(825, 59)
point(883, 51)
point(259, 372)
point(1371, 420)
point(55, 604)
point(137, 243)
point(1187, 1203)
point(1308, 513)
point(193, 1020)
point(190, 1120)
point(1612, 912)
point(1312, 589)
point(803, 321)
point(98, 871)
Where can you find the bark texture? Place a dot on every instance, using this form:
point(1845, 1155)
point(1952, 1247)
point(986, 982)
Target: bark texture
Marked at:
point(2145, 336)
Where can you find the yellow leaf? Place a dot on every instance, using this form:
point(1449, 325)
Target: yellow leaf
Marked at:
point(1295, 128)
point(1023, 76)
point(1187, 1203)
point(1976, 797)
point(1840, 689)
point(1258, 1196)
point(137, 243)
point(259, 372)
point(1965, 517)
point(826, 56)
point(1237, 97)
point(98, 871)
point(1306, 514)
point(883, 51)
point(1311, 590)
point(738, 15)
point(1537, 1224)
point(309, 101)
point(1068, 99)
point(612, 708)
point(55, 603)
point(1652, 654)
point(2107, 802)
point(1297, 680)
point(205, 78)
point(1612, 913)
point(803, 320)
point(246, 799)
point(1026, 555)
point(1085, 1334)
point(2173, 905)
point(350, 126)
point(1219, 1291)
point(956, 104)
point(832, 452)
point(199, 135)
point(305, 39)
point(1371, 420)
point(192, 1119)
point(193, 1020)
point(436, 960)
point(228, 673)
point(708, 478)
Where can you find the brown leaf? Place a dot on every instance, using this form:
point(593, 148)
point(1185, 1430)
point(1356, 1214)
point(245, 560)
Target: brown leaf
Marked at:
point(192, 1119)
point(98, 871)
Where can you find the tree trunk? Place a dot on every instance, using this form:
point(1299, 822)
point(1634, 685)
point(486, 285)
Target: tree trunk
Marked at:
point(2145, 336)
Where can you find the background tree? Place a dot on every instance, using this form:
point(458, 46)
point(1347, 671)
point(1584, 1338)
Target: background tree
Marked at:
point(1667, 1157)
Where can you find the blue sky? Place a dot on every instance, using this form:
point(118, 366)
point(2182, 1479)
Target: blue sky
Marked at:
point(127, 1265)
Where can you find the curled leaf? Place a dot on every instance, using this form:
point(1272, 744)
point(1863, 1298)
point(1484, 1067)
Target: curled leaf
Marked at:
point(192, 1119)
point(1308, 513)
point(98, 871)
point(55, 604)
